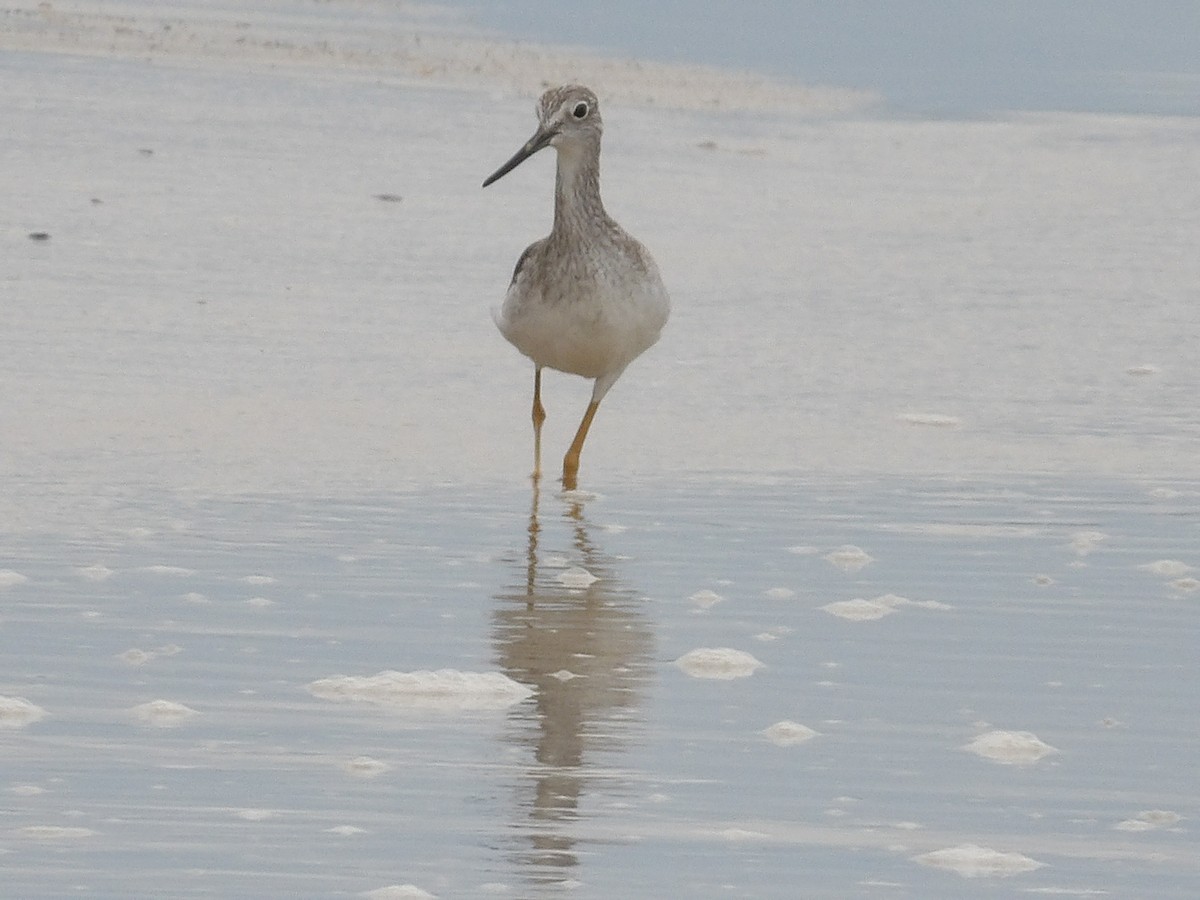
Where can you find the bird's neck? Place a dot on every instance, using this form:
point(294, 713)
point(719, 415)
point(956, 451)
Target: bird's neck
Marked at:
point(577, 204)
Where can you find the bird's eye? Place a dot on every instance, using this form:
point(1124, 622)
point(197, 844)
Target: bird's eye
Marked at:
point(580, 111)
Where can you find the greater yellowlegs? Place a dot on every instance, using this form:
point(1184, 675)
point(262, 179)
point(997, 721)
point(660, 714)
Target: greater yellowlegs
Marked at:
point(588, 299)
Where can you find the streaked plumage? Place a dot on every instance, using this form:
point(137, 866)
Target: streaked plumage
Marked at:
point(588, 299)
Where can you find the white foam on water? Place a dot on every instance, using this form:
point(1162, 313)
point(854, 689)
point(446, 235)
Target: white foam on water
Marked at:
point(398, 892)
point(9, 578)
point(1019, 748)
point(739, 835)
point(1166, 568)
point(579, 496)
point(1084, 542)
point(52, 832)
point(971, 530)
point(720, 663)
point(774, 633)
point(849, 558)
point(95, 573)
point(705, 599)
point(1149, 820)
point(921, 604)
point(860, 610)
point(17, 712)
point(1165, 493)
point(974, 861)
point(163, 713)
point(934, 420)
point(445, 689)
point(577, 578)
point(364, 767)
point(255, 815)
point(179, 571)
point(787, 733)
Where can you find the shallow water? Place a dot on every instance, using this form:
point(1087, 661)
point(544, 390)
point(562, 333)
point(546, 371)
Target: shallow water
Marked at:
point(625, 774)
point(916, 54)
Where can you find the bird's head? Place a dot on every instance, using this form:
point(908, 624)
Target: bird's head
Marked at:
point(568, 117)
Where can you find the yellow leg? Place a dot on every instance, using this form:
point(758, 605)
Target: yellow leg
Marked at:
point(539, 416)
point(571, 460)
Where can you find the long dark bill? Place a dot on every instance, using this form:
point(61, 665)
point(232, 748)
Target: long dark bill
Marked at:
point(532, 146)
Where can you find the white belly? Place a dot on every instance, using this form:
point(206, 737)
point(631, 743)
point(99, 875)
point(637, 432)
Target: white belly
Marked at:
point(598, 328)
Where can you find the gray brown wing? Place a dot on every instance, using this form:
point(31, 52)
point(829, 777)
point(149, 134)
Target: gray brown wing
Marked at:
point(524, 259)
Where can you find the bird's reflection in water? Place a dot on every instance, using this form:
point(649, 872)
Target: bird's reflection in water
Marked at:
point(586, 650)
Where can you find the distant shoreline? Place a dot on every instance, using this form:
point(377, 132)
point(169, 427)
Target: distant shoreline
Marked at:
point(410, 46)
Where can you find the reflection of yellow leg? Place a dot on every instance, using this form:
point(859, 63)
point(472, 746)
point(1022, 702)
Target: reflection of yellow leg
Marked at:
point(571, 460)
point(531, 561)
point(539, 416)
